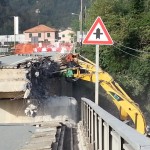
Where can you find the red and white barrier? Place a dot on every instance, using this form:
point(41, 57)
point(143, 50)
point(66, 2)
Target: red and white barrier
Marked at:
point(58, 47)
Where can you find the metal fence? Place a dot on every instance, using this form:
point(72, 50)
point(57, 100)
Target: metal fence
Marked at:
point(105, 132)
point(3, 49)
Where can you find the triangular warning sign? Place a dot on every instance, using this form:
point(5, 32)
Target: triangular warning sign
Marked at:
point(98, 34)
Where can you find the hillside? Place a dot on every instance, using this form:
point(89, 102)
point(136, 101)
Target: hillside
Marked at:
point(52, 13)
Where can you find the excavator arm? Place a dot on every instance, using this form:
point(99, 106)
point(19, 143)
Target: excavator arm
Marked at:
point(85, 70)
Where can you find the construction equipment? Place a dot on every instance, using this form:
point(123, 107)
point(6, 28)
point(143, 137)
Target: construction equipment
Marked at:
point(84, 69)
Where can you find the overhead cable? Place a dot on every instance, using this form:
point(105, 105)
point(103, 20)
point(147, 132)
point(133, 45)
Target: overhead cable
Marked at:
point(132, 48)
point(126, 52)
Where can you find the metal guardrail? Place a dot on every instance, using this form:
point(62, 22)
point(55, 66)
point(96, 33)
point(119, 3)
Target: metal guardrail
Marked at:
point(3, 49)
point(105, 132)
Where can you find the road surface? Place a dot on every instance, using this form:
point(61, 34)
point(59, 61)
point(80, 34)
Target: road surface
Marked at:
point(14, 136)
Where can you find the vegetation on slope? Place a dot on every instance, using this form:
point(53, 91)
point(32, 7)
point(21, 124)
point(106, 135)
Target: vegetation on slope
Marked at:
point(128, 60)
point(55, 13)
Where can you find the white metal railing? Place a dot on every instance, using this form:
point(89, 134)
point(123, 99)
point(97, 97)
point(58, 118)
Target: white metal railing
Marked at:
point(105, 132)
point(3, 49)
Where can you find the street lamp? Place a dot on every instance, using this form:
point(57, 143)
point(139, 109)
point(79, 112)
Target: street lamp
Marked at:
point(80, 23)
point(75, 14)
point(79, 16)
point(37, 11)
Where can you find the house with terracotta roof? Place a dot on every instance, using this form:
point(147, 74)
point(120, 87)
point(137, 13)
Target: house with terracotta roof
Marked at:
point(41, 33)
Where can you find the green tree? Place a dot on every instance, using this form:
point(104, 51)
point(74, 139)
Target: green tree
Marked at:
point(128, 60)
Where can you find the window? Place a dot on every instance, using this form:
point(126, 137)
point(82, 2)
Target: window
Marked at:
point(30, 35)
point(48, 34)
point(56, 35)
point(63, 35)
point(70, 34)
point(39, 34)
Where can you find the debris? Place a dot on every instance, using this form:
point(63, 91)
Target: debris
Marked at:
point(26, 94)
point(31, 110)
point(37, 74)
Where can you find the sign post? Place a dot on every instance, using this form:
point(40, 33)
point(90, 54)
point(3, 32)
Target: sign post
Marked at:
point(97, 75)
point(98, 35)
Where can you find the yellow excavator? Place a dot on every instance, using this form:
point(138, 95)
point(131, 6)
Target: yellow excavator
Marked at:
point(79, 67)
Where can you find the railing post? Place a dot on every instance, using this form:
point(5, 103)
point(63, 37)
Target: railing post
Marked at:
point(90, 124)
point(92, 138)
point(100, 135)
point(87, 119)
point(82, 111)
point(96, 145)
point(116, 141)
point(106, 136)
point(84, 114)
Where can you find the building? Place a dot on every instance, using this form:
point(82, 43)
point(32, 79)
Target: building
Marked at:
point(41, 33)
point(51, 37)
point(66, 36)
point(6, 40)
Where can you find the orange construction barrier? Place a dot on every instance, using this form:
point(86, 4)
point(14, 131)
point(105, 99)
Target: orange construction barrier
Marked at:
point(24, 48)
point(30, 48)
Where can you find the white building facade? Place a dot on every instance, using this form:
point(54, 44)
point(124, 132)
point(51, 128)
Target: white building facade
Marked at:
point(66, 36)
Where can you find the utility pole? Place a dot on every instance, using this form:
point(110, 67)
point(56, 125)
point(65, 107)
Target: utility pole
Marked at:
point(84, 18)
point(16, 29)
point(81, 32)
point(80, 37)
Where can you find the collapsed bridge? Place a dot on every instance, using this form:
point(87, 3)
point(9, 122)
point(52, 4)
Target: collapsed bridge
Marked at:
point(20, 78)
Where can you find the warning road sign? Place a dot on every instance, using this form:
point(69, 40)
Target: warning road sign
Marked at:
point(98, 34)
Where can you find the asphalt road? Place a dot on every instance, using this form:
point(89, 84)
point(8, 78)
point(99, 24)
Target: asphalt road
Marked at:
point(14, 136)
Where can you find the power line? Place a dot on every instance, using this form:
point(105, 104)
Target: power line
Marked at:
point(132, 48)
point(126, 52)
